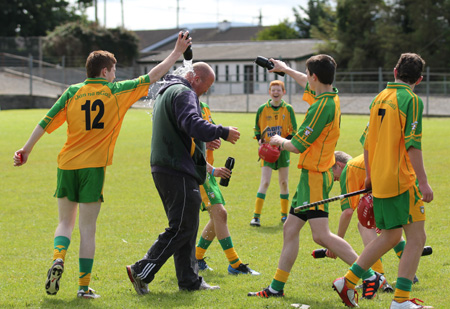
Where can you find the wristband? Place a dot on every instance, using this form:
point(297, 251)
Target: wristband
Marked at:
point(282, 144)
point(212, 172)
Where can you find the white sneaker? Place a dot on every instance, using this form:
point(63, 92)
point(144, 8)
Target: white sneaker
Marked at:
point(409, 304)
point(90, 294)
point(347, 295)
point(255, 222)
point(206, 286)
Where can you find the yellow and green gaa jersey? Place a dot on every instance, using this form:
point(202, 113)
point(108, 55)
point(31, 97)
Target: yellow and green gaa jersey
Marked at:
point(395, 124)
point(279, 120)
point(352, 179)
point(94, 112)
point(318, 134)
point(206, 115)
point(309, 96)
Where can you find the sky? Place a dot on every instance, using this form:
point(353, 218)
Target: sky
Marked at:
point(162, 14)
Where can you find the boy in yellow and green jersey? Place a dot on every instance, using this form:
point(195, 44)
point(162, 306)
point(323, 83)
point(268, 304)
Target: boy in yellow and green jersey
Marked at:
point(274, 117)
point(213, 202)
point(396, 175)
point(315, 141)
point(94, 111)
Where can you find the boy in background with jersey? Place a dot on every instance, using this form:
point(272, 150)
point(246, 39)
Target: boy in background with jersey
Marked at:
point(94, 111)
point(396, 175)
point(315, 141)
point(277, 117)
point(213, 202)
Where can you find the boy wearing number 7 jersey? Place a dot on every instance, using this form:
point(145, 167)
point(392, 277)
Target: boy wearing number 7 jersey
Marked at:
point(395, 172)
point(94, 112)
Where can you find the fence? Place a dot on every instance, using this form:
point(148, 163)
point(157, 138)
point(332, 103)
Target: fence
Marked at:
point(51, 79)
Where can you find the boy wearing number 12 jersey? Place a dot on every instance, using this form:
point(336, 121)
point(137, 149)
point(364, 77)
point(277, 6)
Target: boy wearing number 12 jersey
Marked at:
point(94, 112)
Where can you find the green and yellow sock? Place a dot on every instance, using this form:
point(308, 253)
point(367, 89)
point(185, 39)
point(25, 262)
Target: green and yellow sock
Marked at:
point(399, 248)
point(231, 254)
point(353, 275)
point(279, 280)
point(60, 244)
point(284, 199)
point(378, 267)
point(260, 197)
point(201, 248)
point(402, 290)
point(85, 273)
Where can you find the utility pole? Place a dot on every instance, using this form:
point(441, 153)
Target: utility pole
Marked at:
point(104, 13)
point(123, 21)
point(96, 12)
point(178, 13)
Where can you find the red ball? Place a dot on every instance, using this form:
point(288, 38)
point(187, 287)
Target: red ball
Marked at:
point(365, 212)
point(269, 153)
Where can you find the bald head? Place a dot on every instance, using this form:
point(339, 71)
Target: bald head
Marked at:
point(202, 78)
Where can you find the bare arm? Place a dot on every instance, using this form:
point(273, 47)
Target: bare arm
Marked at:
point(280, 66)
point(284, 143)
point(162, 68)
point(415, 156)
point(21, 155)
point(221, 172)
point(344, 222)
point(368, 181)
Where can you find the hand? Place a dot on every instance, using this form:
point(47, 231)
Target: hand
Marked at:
point(182, 43)
point(222, 172)
point(276, 140)
point(20, 157)
point(233, 135)
point(330, 254)
point(278, 66)
point(427, 192)
point(215, 144)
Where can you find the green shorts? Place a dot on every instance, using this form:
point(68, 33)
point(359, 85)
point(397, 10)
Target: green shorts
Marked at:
point(283, 161)
point(313, 187)
point(82, 186)
point(210, 193)
point(394, 212)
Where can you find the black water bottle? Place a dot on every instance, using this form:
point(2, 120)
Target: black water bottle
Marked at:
point(229, 165)
point(319, 253)
point(188, 52)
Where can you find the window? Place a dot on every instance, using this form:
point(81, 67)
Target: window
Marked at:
point(227, 73)
point(257, 73)
point(237, 72)
point(217, 72)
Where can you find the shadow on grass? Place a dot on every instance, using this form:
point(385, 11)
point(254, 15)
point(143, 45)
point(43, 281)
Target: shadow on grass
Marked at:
point(175, 299)
point(62, 303)
point(269, 229)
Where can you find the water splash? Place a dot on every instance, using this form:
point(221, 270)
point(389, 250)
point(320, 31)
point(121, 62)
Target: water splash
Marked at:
point(186, 68)
point(149, 100)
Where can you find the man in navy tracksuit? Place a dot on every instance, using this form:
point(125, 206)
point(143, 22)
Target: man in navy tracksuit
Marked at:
point(178, 168)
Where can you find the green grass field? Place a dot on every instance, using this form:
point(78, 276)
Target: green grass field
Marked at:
point(132, 217)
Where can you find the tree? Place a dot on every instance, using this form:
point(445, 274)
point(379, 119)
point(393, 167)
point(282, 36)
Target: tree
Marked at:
point(282, 31)
point(318, 14)
point(357, 40)
point(76, 40)
point(421, 27)
point(35, 18)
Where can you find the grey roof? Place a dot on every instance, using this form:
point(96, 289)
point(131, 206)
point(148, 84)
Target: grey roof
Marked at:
point(244, 51)
point(153, 41)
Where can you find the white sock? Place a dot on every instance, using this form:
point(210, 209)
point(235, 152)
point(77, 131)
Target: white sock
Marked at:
point(273, 291)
